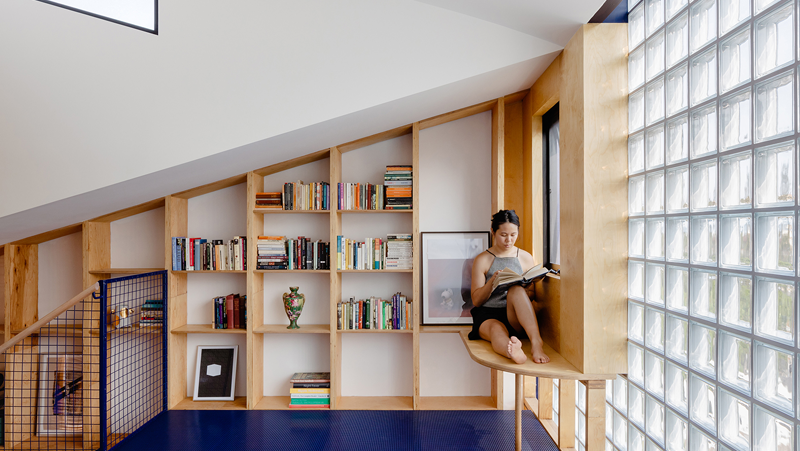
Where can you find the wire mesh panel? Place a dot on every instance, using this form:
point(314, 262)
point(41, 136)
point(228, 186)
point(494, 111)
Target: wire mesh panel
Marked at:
point(135, 353)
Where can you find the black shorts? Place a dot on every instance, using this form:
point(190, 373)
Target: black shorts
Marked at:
point(481, 314)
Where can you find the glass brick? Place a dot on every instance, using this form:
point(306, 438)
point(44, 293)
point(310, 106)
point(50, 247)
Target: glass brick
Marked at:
point(703, 294)
point(654, 333)
point(610, 383)
point(678, 289)
point(734, 61)
point(735, 358)
point(655, 419)
point(774, 377)
point(635, 439)
point(775, 175)
point(677, 347)
point(636, 364)
point(701, 441)
point(620, 431)
point(635, 322)
point(636, 195)
point(651, 446)
point(636, 111)
point(654, 145)
point(677, 433)
point(774, 309)
point(654, 101)
point(677, 40)
point(636, 238)
point(636, 26)
point(636, 153)
point(655, 239)
point(654, 15)
point(704, 131)
point(735, 119)
point(673, 7)
point(735, 179)
point(609, 422)
point(774, 115)
point(580, 428)
point(677, 140)
point(655, 193)
point(620, 394)
point(704, 240)
point(732, 13)
point(762, 5)
point(678, 189)
point(736, 301)
point(655, 284)
point(609, 444)
point(703, 403)
point(636, 406)
point(774, 243)
point(677, 90)
point(736, 241)
point(636, 280)
point(678, 239)
point(734, 421)
point(771, 432)
point(704, 185)
point(677, 388)
point(703, 349)
point(774, 40)
point(703, 23)
point(703, 69)
point(654, 59)
point(636, 69)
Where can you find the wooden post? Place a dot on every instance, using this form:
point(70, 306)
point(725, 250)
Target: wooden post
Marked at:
point(566, 414)
point(21, 265)
point(176, 217)
point(335, 279)
point(255, 295)
point(518, 392)
point(416, 293)
point(595, 415)
point(545, 399)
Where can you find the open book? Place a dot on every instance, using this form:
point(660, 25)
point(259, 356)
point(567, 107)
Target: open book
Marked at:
point(508, 277)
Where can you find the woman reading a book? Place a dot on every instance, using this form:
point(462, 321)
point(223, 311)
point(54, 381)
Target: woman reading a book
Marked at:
point(503, 315)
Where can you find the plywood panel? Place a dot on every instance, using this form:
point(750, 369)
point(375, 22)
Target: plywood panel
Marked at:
point(176, 224)
point(533, 181)
point(457, 114)
point(514, 168)
point(335, 285)
point(21, 387)
point(498, 162)
point(21, 265)
point(416, 292)
point(546, 91)
point(255, 296)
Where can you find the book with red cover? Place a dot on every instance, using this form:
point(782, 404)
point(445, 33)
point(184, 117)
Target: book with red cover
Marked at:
point(236, 312)
point(229, 309)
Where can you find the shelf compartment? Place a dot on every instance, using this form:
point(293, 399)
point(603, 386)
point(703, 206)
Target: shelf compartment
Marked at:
point(124, 271)
point(439, 329)
point(376, 331)
point(238, 403)
point(456, 403)
point(205, 329)
point(210, 272)
point(281, 329)
point(285, 271)
point(136, 329)
point(277, 211)
point(362, 271)
point(281, 403)
point(375, 403)
point(375, 211)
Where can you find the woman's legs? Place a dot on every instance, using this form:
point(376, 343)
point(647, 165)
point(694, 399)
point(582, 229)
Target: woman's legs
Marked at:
point(520, 315)
point(496, 333)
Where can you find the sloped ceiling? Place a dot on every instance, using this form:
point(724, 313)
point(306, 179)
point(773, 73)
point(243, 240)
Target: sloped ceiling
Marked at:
point(95, 117)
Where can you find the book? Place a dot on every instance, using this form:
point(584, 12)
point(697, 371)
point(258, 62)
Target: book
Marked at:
point(507, 277)
point(315, 401)
point(310, 377)
point(323, 385)
point(310, 391)
point(321, 396)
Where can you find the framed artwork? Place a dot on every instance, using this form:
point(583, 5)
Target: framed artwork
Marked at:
point(60, 404)
point(447, 275)
point(215, 375)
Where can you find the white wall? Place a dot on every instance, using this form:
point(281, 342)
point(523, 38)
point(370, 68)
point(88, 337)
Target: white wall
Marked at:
point(138, 241)
point(60, 271)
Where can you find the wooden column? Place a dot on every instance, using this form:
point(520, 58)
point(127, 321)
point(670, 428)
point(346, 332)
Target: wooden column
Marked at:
point(595, 415)
point(498, 191)
point(336, 278)
point(514, 190)
point(416, 293)
point(21, 265)
point(566, 414)
point(532, 181)
point(21, 372)
point(545, 399)
point(255, 295)
point(176, 218)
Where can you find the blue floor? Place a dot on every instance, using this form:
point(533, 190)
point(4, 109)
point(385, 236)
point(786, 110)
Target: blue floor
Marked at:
point(178, 430)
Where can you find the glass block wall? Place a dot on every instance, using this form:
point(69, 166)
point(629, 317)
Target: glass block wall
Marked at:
point(713, 261)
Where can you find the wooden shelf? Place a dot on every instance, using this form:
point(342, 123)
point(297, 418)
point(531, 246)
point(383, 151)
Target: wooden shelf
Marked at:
point(125, 271)
point(284, 271)
point(267, 211)
point(375, 331)
point(135, 329)
point(375, 403)
point(211, 272)
point(280, 403)
point(281, 329)
point(340, 271)
point(440, 329)
point(374, 211)
point(205, 329)
point(456, 403)
point(238, 403)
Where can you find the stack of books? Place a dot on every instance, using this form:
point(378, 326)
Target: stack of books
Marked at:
point(314, 196)
point(310, 391)
point(271, 201)
point(360, 255)
point(271, 252)
point(230, 312)
point(398, 181)
point(398, 251)
point(306, 254)
point(152, 313)
point(200, 254)
point(361, 196)
point(375, 313)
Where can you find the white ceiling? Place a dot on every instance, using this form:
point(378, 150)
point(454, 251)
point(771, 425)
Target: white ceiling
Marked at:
point(95, 117)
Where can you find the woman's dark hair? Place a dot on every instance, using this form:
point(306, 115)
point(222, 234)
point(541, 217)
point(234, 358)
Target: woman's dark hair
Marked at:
point(502, 217)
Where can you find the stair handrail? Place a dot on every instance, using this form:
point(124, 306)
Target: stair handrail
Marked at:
point(49, 317)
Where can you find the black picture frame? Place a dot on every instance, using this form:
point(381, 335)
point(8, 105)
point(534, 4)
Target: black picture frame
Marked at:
point(215, 374)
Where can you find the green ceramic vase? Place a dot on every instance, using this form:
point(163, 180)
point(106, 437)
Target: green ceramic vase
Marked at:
point(293, 304)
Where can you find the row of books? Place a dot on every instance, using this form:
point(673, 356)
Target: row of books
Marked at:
point(297, 196)
point(374, 253)
point(276, 252)
point(310, 391)
point(152, 313)
point(230, 312)
point(361, 196)
point(375, 313)
point(398, 180)
point(200, 254)
point(399, 251)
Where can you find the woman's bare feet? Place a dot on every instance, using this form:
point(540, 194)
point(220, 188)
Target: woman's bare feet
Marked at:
point(537, 352)
point(515, 351)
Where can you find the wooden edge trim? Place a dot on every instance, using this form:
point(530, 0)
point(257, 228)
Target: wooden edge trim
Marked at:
point(516, 97)
point(51, 235)
point(594, 384)
point(213, 186)
point(131, 211)
point(49, 317)
point(376, 138)
point(293, 163)
point(457, 114)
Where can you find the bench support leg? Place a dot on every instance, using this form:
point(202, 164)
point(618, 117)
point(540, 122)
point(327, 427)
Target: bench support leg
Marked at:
point(566, 414)
point(595, 415)
point(518, 395)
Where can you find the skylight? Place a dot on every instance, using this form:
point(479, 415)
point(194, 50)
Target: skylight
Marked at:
point(139, 14)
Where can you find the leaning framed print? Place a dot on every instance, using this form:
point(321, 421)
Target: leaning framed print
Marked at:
point(447, 275)
point(60, 404)
point(215, 376)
